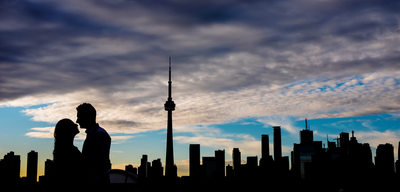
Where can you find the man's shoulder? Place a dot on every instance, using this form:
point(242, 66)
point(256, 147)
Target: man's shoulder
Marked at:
point(102, 132)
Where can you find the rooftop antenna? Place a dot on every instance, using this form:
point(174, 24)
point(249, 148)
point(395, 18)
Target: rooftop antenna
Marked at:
point(307, 126)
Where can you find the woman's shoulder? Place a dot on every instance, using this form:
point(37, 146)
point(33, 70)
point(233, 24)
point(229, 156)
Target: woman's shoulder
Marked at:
point(75, 150)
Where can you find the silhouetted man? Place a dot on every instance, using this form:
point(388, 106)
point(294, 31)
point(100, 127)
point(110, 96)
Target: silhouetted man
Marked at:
point(96, 148)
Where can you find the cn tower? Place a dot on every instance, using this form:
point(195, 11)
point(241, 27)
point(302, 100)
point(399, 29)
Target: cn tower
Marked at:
point(170, 168)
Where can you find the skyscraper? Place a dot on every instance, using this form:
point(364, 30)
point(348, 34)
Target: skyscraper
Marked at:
point(194, 160)
point(344, 140)
point(31, 169)
point(220, 163)
point(277, 143)
point(384, 159)
point(306, 135)
point(236, 161)
point(9, 168)
point(170, 168)
point(264, 146)
point(398, 161)
point(143, 171)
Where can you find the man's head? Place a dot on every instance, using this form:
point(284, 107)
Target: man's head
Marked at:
point(86, 116)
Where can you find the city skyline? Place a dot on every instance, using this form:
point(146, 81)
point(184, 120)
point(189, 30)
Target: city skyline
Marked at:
point(240, 68)
point(344, 154)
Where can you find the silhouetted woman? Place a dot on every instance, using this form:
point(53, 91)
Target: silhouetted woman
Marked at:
point(67, 157)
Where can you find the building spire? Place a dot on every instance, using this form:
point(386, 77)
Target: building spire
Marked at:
point(169, 81)
point(170, 168)
point(306, 124)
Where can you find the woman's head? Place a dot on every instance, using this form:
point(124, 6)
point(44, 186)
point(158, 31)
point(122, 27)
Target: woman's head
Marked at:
point(65, 128)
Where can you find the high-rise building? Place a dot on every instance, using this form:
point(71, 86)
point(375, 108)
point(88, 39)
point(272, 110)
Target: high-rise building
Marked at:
point(236, 161)
point(129, 168)
point(170, 168)
point(209, 167)
point(264, 146)
point(384, 159)
point(49, 172)
point(398, 161)
point(229, 171)
point(143, 168)
point(344, 140)
point(156, 169)
point(220, 163)
point(10, 167)
point(277, 143)
point(31, 169)
point(306, 135)
point(194, 160)
point(252, 162)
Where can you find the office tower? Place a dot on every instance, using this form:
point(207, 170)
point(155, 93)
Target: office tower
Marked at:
point(220, 163)
point(49, 168)
point(264, 146)
point(252, 161)
point(266, 159)
point(353, 140)
point(384, 159)
point(49, 173)
point(236, 161)
point(156, 169)
point(306, 135)
point(304, 153)
point(10, 167)
point(170, 168)
point(398, 161)
point(344, 140)
point(277, 143)
point(229, 171)
point(209, 167)
point(143, 172)
point(366, 156)
point(31, 169)
point(194, 160)
point(129, 168)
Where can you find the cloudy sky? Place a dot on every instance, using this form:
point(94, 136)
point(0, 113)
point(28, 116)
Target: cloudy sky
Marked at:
point(239, 67)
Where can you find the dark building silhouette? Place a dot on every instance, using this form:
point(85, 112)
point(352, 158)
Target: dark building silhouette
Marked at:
point(156, 169)
point(143, 168)
point(209, 167)
point(32, 165)
point(170, 168)
point(303, 153)
point(220, 163)
point(384, 159)
point(344, 141)
point(236, 161)
point(49, 172)
point(266, 161)
point(229, 171)
point(10, 167)
point(252, 162)
point(264, 146)
point(277, 143)
point(129, 168)
point(249, 171)
point(398, 162)
point(306, 135)
point(194, 160)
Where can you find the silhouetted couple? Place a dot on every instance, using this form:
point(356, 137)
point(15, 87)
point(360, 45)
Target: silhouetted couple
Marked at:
point(92, 166)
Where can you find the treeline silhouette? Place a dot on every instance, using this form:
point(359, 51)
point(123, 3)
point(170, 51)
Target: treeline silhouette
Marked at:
point(344, 165)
